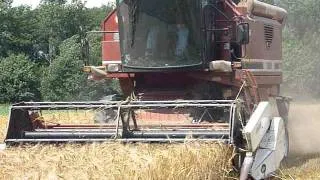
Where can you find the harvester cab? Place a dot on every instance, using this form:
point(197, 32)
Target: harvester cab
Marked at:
point(190, 70)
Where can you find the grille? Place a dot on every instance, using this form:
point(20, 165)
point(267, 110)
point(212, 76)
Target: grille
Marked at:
point(268, 34)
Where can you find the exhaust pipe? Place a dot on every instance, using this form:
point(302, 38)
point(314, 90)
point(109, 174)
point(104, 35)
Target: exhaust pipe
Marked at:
point(262, 9)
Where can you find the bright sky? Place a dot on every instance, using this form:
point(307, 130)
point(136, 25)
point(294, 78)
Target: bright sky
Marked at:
point(34, 3)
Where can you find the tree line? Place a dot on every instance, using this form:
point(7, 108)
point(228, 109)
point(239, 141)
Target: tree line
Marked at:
point(301, 53)
point(41, 50)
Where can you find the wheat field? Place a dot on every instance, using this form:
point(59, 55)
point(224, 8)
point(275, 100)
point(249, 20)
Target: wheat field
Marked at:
point(115, 160)
point(145, 161)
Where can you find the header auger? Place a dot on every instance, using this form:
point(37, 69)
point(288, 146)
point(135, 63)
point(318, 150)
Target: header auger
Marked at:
point(193, 70)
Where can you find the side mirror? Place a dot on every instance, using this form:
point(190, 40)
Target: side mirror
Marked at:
point(243, 35)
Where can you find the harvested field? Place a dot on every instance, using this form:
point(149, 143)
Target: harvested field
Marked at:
point(304, 131)
point(301, 167)
point(156, 161)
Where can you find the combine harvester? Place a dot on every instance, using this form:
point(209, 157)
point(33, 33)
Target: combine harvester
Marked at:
point(192, 70)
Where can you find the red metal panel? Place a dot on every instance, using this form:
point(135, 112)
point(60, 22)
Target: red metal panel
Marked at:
point(110, 41)
point(110, 51)
point(110, 23)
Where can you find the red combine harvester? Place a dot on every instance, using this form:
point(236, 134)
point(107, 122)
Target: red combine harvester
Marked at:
point(204, 70)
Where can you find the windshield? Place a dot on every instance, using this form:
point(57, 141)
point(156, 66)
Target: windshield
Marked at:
point(160, 33)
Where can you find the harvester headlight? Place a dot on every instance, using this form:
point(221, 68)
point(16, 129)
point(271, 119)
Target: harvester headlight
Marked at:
point(113, 68)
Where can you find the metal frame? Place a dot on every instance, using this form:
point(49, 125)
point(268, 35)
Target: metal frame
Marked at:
point(20, 128)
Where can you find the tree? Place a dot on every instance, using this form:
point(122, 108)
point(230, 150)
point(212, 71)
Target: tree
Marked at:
point(61, 79)
point(57, 22)
point(300, 47)
point(5, 4)
point(17, 25)
point(49, 37)
point(64, 79)
point(54, 1)
point(19, 80)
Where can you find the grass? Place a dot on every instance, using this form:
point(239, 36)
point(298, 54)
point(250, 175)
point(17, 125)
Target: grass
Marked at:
point(4, 109)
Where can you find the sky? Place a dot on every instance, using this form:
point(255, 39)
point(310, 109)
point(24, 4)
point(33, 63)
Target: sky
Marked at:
point(34, 3)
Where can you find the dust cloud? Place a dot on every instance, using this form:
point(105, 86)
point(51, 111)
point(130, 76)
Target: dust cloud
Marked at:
point(304, 128)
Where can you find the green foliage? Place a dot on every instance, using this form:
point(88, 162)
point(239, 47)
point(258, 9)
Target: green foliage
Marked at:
point(64, 79)
point(50, 37)
point(303, 16)
point(5, 4)
point(57, 22)
point(4, 109)
point(301, 66)
point(300, 48)
point(61, 79)
point(54, 1)
point(19, 80)
point(17, 25)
